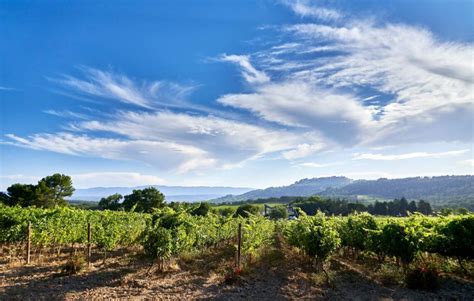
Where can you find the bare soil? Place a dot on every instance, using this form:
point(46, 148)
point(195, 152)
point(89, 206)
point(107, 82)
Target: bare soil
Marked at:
point(279, 274)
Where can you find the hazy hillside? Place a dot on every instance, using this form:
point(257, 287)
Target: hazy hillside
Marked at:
point(442, 190)
point(305, 187)
point(172, 193)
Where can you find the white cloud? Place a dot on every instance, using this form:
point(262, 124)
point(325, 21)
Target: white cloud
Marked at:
point(173, 141)
point(414, 155)
point(7, 180)
point(337, 116)
point(165, 155)
point(66, 114)
point(303, 150)
point(469, 162)
point(317, 165)
point(303, 9)
point(427, 78)
point(93, 179)
point(109, 179)
point(250, 74)
point(229, 142)
point(115, 86)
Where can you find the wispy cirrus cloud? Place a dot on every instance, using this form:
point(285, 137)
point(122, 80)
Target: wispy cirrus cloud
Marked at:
point(305, 9)
point(337, 116)
point(249, 73)
point(421, 83)
point(332, 83)
point(181, 143)
point(406, 156)
point(163, 154)
point(66, 114)
point(119, 87)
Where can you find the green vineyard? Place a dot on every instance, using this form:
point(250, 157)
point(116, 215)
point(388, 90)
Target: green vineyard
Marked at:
point(167, 233)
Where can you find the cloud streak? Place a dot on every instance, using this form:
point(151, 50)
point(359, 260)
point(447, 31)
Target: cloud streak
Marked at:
point(414, 155)
point(118, 87)
point(303, 9)
point(249, 73)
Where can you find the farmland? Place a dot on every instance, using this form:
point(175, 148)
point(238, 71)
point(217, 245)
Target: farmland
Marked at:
point(173, 253)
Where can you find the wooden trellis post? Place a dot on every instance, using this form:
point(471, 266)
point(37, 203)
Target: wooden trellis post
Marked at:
point(28, 244)
point(89, 248)
point(239, 246)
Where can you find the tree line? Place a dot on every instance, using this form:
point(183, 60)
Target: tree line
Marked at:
point(50, 191)
point(397, 207)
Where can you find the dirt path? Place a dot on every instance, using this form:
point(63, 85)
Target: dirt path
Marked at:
point(280, 274)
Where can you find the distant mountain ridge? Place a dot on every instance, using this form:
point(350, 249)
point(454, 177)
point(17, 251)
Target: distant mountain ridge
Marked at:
point(440, 190)
point(304, 187)
point(172, 193)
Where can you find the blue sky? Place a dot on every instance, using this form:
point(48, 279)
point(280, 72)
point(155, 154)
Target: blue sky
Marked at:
point(237, 93)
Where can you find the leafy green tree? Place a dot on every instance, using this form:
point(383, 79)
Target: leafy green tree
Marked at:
point(112, 202)
point(144, 200)
point(21, 194)
point(247, 210)
point(279, 212)
point(225, 211)
point(202, 210)
point(4, 198)
point(52, 190)
point(412, 207)
point(424, 208)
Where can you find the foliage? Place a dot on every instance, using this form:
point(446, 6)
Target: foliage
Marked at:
point(246, 210)
point(397, 207)
point(455, 237)
point(316, 235)
point(112, 202)
point(63, 225)
point(144, 200)
point(278, 212)
point(171, 233)
point(49, 192)
point(202, 210)
point(21, 194)
point(356, 231)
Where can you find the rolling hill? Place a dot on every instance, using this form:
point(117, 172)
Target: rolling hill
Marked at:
point(440, 191)
point(305, 187)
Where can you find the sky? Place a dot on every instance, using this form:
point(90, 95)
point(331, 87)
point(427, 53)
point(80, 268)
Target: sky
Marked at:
point(235, 93)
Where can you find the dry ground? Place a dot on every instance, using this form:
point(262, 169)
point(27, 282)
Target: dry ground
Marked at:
point(279, 274)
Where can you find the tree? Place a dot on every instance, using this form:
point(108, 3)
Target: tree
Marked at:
point(403, 206)
point(4, 199)
point(412, 207)
point(112, 202)
point(279, 212)
point(202, 210)
point(246, 209)
point(52, 190)
point(21, 194)
point(424, 207)
point(144, 200)
point(380, 208)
